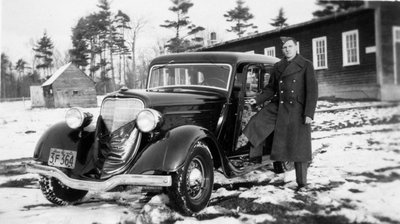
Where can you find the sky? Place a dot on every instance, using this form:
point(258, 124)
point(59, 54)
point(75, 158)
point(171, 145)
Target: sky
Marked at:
point(23, 22)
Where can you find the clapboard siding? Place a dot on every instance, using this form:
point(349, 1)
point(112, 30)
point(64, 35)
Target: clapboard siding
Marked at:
point(369, 78)
point(336, 73)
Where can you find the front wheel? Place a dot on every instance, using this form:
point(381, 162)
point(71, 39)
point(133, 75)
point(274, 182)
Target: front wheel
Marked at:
point(59, 194)
point(192, 184)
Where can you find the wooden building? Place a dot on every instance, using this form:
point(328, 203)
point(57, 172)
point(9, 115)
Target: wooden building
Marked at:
point(69, 87)
point(356, 54)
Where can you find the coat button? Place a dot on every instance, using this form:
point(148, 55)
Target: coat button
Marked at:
point(280, 81)
point(290, 102)
point(292, 91)
point(294, 80)
point(281, 91)
point(281, 101)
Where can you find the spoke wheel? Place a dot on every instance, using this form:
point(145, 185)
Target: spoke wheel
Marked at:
point(192, 184)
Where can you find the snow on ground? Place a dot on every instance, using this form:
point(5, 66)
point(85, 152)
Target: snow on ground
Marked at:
point(353, 178)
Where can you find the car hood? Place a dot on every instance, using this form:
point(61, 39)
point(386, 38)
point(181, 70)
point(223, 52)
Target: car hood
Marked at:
point(154, 99)
point(182, 107)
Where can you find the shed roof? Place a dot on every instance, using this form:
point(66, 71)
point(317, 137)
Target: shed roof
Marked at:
point(56, 74)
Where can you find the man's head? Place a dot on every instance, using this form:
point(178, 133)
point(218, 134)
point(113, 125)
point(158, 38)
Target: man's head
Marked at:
point(289, 47)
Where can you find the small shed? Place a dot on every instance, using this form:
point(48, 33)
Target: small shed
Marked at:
point(68, 87)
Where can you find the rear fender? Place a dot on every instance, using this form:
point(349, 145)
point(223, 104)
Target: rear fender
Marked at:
point(170, 152)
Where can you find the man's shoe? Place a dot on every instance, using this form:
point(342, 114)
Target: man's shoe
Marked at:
point(302, 187)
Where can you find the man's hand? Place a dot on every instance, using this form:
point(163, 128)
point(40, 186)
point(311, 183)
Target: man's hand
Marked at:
point(308, 120)
point(252, 101)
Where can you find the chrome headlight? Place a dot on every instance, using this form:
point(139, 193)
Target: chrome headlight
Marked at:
point(148, 119)
point(76, 118)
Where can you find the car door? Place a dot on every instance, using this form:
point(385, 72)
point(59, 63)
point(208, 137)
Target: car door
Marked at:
point(256, 77)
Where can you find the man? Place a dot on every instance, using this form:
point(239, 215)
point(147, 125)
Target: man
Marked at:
point(293, 91)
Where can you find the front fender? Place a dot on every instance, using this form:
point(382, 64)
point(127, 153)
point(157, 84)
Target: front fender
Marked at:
point(170, 152)
point(63, 137)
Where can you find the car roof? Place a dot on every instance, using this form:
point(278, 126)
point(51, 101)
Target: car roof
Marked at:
point(213, 57)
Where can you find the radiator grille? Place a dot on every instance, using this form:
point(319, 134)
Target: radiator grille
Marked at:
point(117, 112)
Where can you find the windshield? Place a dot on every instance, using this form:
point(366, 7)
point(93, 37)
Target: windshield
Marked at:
point(188, 75)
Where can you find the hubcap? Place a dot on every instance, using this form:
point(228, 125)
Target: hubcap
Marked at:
point(195, 180)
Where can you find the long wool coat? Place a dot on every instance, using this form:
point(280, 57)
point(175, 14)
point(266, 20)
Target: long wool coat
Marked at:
point(293, 91)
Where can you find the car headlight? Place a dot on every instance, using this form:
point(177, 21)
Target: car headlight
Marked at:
point(148, 119)
point(76, 118)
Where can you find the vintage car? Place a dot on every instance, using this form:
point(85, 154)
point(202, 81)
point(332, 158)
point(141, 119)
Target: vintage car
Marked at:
point(172, 135)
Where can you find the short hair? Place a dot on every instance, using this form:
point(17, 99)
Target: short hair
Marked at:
point(286, 39)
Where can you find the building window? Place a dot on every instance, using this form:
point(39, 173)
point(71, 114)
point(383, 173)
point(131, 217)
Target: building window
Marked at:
point(320, 54)
point(396, 54)
point(298, 47)
point(350, 48)
point(269, 51)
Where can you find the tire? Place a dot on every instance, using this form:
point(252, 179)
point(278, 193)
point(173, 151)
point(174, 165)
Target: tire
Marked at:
point(281, 167)
point(192, 184)
point(59, 194)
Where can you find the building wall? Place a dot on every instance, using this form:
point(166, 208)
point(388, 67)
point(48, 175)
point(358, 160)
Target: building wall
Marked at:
point(356, 81)
point(74, 88)
point(37, 98)
point(391, 17)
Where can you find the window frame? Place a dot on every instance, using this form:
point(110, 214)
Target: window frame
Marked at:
point(315, 56)
point(345, 49)
point(298, 47)
point(271, 49)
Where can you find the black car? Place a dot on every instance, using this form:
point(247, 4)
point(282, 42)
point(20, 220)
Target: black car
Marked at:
point(171, 135)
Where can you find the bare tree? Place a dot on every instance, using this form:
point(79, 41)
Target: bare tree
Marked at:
point(136, 27)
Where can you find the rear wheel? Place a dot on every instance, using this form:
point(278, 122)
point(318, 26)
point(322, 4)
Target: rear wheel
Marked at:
point(57, 193)
point(192, 184)
point(281, 167)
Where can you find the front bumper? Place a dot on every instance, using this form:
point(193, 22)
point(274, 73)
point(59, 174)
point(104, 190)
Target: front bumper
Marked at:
point(123, 179)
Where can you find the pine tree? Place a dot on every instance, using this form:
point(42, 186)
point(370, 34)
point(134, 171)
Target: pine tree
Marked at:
point(280, 20)
point(44, 52)
point(121, 21)
point(80, 50)
point(181, 43)
point(20, 67)
point(330, 7)
point(240, 16)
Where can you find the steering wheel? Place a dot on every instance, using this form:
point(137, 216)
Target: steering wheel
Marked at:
point(216, 82)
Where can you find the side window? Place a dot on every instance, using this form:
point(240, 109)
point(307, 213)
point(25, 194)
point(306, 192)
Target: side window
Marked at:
point(257, 77)
point(265, 74)
point(252, 80)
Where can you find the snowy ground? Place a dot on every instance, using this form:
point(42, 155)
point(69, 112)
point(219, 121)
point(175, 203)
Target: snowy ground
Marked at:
point(354, 177)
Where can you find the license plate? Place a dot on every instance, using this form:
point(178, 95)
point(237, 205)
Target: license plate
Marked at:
point(62, 158)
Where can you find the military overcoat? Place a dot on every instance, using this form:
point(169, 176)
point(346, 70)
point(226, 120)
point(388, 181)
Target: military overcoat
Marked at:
point(293, 91)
